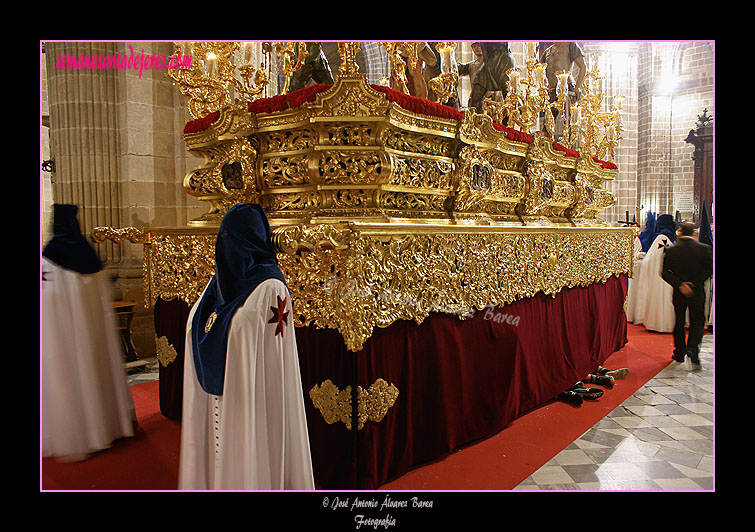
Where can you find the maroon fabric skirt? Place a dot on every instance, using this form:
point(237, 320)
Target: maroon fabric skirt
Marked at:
point(458, 380)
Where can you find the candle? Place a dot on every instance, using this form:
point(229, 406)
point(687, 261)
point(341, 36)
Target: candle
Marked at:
point(513, 79)
point(446, 56)
point(563, 82)
point(540, 78)
point(211, 64)
point(576, 114)
point(617, 117)
point(186, 49)
point(530, 50)
point(246, 52)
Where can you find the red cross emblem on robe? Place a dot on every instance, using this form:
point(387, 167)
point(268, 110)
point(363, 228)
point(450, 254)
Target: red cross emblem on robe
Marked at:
point(280, 316)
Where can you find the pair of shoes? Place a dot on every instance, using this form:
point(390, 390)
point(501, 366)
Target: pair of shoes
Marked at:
point(570, 397)
point(615, 373)
point(602, 380)
point(678, 358)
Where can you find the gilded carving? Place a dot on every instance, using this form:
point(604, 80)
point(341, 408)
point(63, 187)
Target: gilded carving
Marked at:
point(379, 278)
point(333, 404)
point(284, 170)
point(374, 402)
point(288, 140)
point(420, 172)
point(166, 353)
point(417, 143)
point(350, 167)
point(347, 134)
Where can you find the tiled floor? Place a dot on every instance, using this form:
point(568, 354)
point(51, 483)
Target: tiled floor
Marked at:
point(147, 371)
point(659, 439)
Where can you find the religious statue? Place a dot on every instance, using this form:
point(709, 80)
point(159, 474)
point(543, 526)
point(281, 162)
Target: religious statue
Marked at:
point(492, 75)
point(560, 57)
point(315, 68)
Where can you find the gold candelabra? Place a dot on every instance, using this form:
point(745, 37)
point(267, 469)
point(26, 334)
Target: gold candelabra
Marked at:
point(526, 98)
point(444, 85)
point(586, 126)
point(294, 54)
point(397, 51)
point(221, 73)
point(593, 129)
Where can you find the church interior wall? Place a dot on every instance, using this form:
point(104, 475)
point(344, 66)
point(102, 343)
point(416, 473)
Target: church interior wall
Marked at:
point(134, 122)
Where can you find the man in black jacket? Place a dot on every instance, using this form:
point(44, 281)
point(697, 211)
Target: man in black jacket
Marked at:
point(686, 266)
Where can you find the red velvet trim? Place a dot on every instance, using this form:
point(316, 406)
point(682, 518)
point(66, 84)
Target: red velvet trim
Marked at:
point(513, 134)
point(291, 100)
point(200, 124)
point(567, 151)
point(605, 164)
point(419, 105)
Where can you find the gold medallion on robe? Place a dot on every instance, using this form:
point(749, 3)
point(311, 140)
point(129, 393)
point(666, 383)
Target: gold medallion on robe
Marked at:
point(210, 322)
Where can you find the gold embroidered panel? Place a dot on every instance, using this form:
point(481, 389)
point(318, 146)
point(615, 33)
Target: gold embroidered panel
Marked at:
point(355, 277)
point(335, 405)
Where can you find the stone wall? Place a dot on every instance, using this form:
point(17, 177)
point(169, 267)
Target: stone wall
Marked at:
point(675, 82)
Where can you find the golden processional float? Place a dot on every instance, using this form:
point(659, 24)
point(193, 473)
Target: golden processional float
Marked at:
point(386, 206)
point(371, 192)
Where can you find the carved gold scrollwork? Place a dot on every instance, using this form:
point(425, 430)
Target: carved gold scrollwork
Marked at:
point(166, 353)
point(333, 404)
point(374, 402)
point(133, 234)
point(475, 181)
point(226, 178)
point(540, 188)
point(350, 167)
point(376, 279)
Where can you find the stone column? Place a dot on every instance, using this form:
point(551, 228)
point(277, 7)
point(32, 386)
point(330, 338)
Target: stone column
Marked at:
point(84, 137)
point(116, 138)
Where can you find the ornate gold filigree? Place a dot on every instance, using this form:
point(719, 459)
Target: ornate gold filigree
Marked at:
point(178, 266)
point(166, 353)
point(373, 403)
point(133, 234)
point(333, 404)
point(383, 274)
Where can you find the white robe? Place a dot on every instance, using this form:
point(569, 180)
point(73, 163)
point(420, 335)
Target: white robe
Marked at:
point(655, 305)
point(634, 288)
point(254, 436)
point(86, 403)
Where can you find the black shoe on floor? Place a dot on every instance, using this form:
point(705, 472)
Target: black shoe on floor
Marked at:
point(570, 397)
point(678, 358)
point(694, 358)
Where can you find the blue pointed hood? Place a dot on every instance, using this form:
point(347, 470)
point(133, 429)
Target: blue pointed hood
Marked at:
point(648, 234)
point(244, 258)
point(706, 233)
point(665, 225)
point(68, 248)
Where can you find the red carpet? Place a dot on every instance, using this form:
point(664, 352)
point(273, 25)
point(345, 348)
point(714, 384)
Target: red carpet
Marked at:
point(149, 460)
